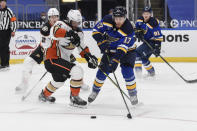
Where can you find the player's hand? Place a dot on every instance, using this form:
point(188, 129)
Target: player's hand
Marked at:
point(113, 64)
point(139, 33)
point(157, 50)
point(75, 39)
point(92, 60)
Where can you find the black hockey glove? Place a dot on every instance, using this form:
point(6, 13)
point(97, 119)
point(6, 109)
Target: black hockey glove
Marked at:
point(113, 64)
point(92, 60)
point(74, 37)
point(139, 33)
point(157, 49)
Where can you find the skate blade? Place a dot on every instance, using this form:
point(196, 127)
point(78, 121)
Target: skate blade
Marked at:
point(138, 105)
point(18, 92)
point(46, 102)
point(148, 77)
point(78, 106)
point(4, 70)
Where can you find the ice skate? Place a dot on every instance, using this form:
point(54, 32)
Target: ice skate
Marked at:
point(21, 88)
point(76, 101)
point(92, 96)
point(44, 98)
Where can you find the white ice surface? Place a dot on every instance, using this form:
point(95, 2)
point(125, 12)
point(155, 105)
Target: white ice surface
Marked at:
point(169, 104)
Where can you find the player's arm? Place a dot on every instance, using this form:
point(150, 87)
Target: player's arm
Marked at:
point(99, 33)
point(12, 20)
point(139, 31)
point(45, 37)
point(157, 39)
point(85, 52)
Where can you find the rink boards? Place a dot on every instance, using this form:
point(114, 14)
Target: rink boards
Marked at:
point(178, 45)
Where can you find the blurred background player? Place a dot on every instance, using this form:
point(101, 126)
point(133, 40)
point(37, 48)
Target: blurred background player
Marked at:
point(147, 28)
point(38, 54)
point(114, 36)
point(67, 35)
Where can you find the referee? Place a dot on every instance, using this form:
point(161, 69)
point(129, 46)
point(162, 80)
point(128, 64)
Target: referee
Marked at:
point(7, 29)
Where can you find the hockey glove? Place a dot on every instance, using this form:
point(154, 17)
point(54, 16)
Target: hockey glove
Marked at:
point(113, 64)
point(157, 49)
point(92, 60)
point(139, 33)
point(75, 39)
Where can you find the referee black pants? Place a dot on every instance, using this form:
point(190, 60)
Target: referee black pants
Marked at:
point(5, 37)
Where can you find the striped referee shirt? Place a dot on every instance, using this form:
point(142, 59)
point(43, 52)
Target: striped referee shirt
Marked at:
point(7, 20)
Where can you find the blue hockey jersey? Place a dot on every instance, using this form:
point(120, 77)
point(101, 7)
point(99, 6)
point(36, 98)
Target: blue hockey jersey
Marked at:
point(107, 35)
point(152, 29)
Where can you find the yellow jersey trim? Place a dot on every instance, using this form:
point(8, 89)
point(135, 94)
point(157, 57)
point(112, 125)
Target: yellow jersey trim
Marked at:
point(94, 33)
point(122, 33)
point(123, 49)
point(107, 24)
point(149, 26)
point(139, 20)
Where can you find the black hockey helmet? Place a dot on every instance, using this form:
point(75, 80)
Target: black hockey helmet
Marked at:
point(147, 9)
point(119, 11)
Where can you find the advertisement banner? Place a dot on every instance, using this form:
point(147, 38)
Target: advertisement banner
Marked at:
point(177, 43)
point(23, 44)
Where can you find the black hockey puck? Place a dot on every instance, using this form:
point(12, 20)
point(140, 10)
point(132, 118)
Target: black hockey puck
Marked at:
point(129, 116)
point(93, 117)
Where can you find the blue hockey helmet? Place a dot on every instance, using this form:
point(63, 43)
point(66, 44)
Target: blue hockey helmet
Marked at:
point(147, 9)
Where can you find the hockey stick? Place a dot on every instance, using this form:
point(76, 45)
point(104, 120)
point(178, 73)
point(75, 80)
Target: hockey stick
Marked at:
point(121, 92)
point(28, 93)
point(110, 78)
point(187, 81)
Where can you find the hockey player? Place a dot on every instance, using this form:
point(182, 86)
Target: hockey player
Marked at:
point(147, 28)
point(114, 36)
point(37, 55)
point(68, 35)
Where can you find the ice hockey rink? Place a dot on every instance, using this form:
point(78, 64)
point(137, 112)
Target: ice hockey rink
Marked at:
point(169, 104)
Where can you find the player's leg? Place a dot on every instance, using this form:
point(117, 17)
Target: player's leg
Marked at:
point(138, 62)
point(76, 74)
point(84, 86)
point(100, 79)
point(52, 86)
point(127, 65)
point(148, 66)
point(35, 58)
point(145, 52)
point(138, 66)
point(5, 52)
point(67, 69)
